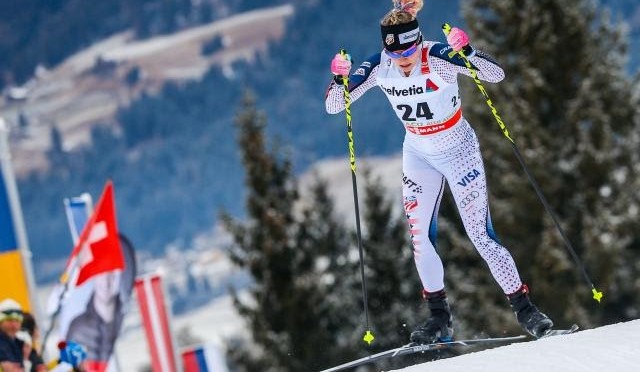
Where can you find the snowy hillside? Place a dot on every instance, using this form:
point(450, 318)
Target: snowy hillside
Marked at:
point(610, 348)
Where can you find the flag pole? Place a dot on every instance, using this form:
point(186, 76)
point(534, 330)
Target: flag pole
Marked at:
point(17, 217)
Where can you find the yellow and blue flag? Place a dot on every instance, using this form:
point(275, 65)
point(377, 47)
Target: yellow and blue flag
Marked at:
point(13, 278)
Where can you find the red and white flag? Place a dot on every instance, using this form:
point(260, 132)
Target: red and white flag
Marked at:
point(155, 319)
point(98, 281)
point(98, 249)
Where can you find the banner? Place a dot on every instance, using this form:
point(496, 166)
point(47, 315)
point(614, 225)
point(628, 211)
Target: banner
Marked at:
point(103, 300)
point(15, 258)
point(99, 281)
point(205, 358)
point(153, 309)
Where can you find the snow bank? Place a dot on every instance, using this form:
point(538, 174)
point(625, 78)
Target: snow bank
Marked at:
point(609, 348)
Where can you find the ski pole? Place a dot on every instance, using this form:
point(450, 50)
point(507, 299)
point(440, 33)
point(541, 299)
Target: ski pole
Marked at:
point(446, 28)
point(368, 336)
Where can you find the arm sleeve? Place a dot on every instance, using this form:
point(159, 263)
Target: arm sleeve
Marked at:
point(360, 81)
point(449, 67)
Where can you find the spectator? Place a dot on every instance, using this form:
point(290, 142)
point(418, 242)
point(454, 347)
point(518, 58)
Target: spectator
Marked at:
point(30, 327)
point(11, 355)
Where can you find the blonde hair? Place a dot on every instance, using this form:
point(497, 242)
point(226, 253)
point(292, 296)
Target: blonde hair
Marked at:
point(397, 17)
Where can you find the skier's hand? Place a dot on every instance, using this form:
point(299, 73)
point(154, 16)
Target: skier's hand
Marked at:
point(341, 64)
point(458, 39)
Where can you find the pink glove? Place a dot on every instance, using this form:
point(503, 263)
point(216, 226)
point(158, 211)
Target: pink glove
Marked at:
point(341, 65)
point(458, 39)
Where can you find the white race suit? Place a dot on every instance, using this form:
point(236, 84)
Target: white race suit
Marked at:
point(439, 145)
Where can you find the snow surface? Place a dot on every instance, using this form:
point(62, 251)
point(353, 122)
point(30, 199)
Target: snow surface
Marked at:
point(610, 348)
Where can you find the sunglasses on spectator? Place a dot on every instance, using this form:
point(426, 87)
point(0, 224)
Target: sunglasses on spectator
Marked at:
point(402, 53)
point(13, 315)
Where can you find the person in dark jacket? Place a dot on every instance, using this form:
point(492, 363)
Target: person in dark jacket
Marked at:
point(11, 354)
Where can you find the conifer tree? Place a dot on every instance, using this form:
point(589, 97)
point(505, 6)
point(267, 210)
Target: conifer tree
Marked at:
point(568, 104)
point(295, 311)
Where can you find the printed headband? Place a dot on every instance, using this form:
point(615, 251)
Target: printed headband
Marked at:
point(400, 37)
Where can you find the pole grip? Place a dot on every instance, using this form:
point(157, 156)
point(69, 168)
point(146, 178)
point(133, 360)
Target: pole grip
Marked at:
point(446, 28)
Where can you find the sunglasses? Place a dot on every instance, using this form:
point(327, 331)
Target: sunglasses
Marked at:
point(13, 315)
point(402, 54)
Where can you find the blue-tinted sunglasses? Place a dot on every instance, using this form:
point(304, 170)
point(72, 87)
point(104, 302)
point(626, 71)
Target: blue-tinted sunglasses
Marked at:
point(402, 54)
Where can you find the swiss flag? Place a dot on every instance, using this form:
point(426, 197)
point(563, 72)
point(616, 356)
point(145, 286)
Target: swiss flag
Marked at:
point(98, 249)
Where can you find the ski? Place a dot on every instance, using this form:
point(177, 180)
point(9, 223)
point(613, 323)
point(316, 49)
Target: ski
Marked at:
point(414, 348)
point(558, 332)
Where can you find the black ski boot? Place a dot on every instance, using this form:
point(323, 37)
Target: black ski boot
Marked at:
point(530, 318)
point(438, 327)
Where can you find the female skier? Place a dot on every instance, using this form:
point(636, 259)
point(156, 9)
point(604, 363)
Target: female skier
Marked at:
point(419, 79)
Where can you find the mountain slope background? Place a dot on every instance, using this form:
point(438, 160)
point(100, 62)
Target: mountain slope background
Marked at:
point(171, 153)
point(44, 32)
